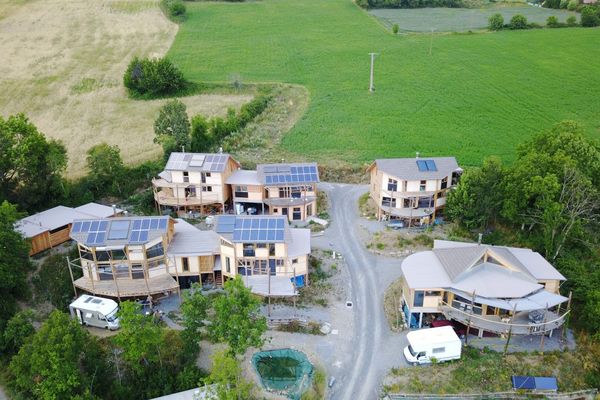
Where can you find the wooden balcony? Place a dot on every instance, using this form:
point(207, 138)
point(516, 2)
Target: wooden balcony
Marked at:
point(129, 287)
point(205, 198)
point(519, 323)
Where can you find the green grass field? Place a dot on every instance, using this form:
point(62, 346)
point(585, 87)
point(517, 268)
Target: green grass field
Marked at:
point(463, 19)
point(475, 96)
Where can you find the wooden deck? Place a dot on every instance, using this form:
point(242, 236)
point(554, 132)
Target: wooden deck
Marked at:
point(129, 287)
point(519, 324)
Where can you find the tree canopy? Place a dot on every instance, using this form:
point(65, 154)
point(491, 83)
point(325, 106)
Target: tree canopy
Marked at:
point(106, 169)
point(172, 127)
point(226, 376)
point(194, 309)
point(30, 165)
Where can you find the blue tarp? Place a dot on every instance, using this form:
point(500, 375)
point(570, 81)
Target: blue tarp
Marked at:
point(545, 383)
point(299, 281)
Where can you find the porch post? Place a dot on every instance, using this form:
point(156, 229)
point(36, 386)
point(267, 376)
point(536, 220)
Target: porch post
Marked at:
point(71, 273)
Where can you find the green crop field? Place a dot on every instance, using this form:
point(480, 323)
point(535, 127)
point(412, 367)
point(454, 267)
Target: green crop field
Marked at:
point(474, 96)
point(463, 19)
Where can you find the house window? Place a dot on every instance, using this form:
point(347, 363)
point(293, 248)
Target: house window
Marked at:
point(407, 203)
point(423, 186)
point(297, 213)
point(155, 251)
point(204, 176)
point(284, 211)
point(185, 264)
point(296, 192)
point(207, 188)
point(419, 296)
point(388, 202)
point(249, 250)
point(444, 183)
point(405, 186)
point(309, 188)
point(392, 185)
point(309, 209)
point(261, 245)
point(227, 265)
point(433, 293)
point(241, 191)
point(186, 176)
point(295, 261)
point(275, 210)
point(271, 249)
point(284, 192)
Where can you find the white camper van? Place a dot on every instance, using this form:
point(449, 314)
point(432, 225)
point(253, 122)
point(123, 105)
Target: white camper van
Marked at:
point(95, 311)
point(425, 344)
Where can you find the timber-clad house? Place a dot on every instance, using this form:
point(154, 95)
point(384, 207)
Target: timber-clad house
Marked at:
point(412, 189)
point(488, 288)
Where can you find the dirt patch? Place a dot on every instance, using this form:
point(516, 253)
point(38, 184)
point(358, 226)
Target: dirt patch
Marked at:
point(64, 63)
point(367, 207)
point(392, 301)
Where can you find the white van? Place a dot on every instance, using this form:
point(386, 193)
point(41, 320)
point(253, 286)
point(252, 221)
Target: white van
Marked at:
point(95, 311)
point(441, 344)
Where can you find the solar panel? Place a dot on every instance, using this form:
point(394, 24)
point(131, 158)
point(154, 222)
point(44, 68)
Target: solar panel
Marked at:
point(162, 223)
point(431, 165)
point(422, 165)
point(269, 169)
point(76, 227)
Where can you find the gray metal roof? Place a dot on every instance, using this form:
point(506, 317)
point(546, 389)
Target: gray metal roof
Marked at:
point(286, 174)
point(494, 281)
point(191, 241)
point(300, 242)
point(243, 177)
point(456, 260)
point(203, 162)
point(98, 210)
point(407, 168)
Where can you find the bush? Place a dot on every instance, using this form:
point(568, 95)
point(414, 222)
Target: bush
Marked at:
point(363, 4)
point(173, 9)
point(395, 29)
point(572, 6)
point(564, 4)
point(552, 22)
point(589, 16)
point(153, 77)
point(496, 22)
point(518, 21)
point(572, 21)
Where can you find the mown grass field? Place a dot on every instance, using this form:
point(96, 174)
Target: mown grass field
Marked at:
point(476, 95)
point(463, 19)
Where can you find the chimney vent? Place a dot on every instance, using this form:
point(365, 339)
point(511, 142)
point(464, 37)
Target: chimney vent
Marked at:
point(417, 155)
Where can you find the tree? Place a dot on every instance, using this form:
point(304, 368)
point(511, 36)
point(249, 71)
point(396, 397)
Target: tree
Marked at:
point(496, 22)
point(172, 127)
point(589, 16)
point(30, 165)
point(227, 377)
point(14, 263)
point(61, 361)
point(201, 141)
point(106, 169)
point(193, 308)
point(52, 282)
point(552, 22)
point(518, 21)
point(477, 200)
point(18, 329)
point(237, 319)
point(153, 77)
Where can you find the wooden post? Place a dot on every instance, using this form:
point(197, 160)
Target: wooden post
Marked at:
point(567, 318)
point(114, 274)
point(71, 273)
point(509, 331)
point(145, 268)
point(469, 320)
point(544, 330)
point(269, 292)
point(435, 195)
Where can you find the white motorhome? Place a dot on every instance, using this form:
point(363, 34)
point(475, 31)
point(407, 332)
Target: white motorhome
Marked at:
point(96, 311)
point(441, 344)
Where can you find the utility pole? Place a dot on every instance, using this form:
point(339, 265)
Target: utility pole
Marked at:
point(371, 87)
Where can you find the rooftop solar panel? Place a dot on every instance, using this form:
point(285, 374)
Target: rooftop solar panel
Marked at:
point(162, 223)
point(422, 165)
point(76, 227)
point(431, 165)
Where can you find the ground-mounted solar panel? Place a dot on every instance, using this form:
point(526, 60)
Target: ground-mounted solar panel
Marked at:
point(431, 165)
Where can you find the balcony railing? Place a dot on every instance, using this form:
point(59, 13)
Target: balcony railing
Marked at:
point(519, 323)
point(207, 198)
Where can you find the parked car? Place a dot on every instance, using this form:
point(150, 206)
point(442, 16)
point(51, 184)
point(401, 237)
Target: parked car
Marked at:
point(441, 344)
point(395, 224)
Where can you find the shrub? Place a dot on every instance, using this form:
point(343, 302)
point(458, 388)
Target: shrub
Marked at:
point(173, 9)
point(153, 77)
point(572, 6)
point(552, 4)
point(589, 16)
point(496, 22)
point(552, 22)
point(564, 4)
point(395, 29)
point(518, 21)
point(363, 4)
point(572, 21)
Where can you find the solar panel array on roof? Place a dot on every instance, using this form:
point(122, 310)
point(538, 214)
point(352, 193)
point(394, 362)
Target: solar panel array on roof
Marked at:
point(177, 162)
point(262, 229)
point(225, 224)
point(426, 165)
point(215, 162)
point(130, 230)
point(290, 174)
point(206, 162)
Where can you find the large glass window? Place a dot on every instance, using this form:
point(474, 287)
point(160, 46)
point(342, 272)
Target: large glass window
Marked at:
point(297, 213)
point(249, 250)
point(241, 191)
point(444, 183)
point(392, 185)
point(388, 202)
point(423, 186)
point(419, 296)
point(155, 251)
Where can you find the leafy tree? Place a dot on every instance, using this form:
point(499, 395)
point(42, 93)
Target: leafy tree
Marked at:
point(153, 77)
point(201, 140)
point(478, 198)
point(61, 361)
point(14, 263)
point(172, 127)
point(30, 165)
point(194, 309)
point(552, 22)
point(106, 169)
point(227, 377)
point(496, 22)
point(237, 319)
point(52, 282)
point(518, 21)
point(18, 329)
point(589, 16)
